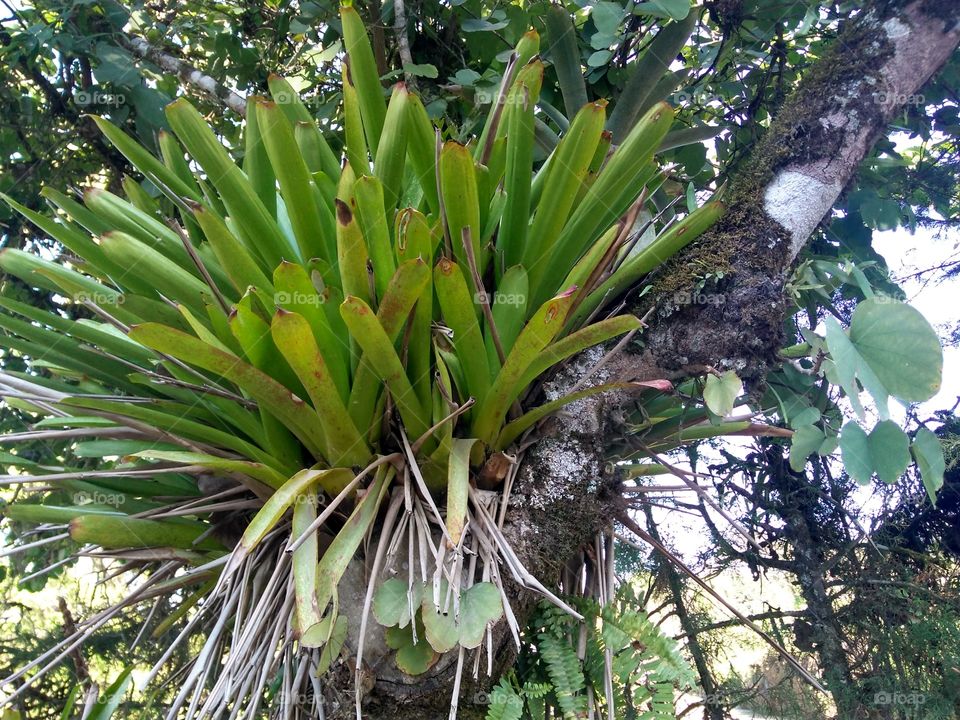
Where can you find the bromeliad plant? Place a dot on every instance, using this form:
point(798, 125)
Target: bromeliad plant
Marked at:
point(287, 357)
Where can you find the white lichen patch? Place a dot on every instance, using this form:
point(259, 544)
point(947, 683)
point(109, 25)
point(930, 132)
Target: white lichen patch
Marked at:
point(896, 29)
point(798, 202)
point(568, 467)
point(574, 371)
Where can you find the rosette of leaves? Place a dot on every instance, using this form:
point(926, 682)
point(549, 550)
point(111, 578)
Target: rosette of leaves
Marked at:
point(314, 353)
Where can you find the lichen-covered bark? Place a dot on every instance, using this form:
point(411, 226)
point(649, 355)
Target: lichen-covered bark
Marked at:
point(790, 182)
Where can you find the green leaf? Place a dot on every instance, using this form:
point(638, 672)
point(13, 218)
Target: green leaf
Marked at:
point(119, 532)
point(900, 346)
point(674, 9)
point(514, 429)
point(458, 188)
point(538, 333)
point(331, 650)
point(392, 602)
point(607, 16)
point(440, 628)
point(288, 408)
point(392, 151)
point(460, 315)
point(580, 340)
point(294, 337)
point(379, 352)
point(568, 167)
point(565, 55)
point(412, 658)
point(421, 149)
point(363, 71)
point(480, 605)
point(260, 472)
point(108, 703)
point(885, 451)
point(296, 185)
point(341, 551)
point(720, 393)
point(253, 220)
point(458, 483)
point(518, 121)
point(372, 215)
point(616, 188)
point(144, 161)
point(421, 70)
point(807, 439)
point(654, 62)
point(278, 504)
point(304, 560)
point(505, 703)
point(928, 453)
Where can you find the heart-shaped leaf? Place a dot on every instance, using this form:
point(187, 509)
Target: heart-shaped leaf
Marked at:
point(720, 393)
point(440, 627)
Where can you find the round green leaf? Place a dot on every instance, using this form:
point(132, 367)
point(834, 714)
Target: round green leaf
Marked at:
point(416, 659)
point(599, 58)
point(390, 603)
point(890, 450)
point(900, 346)
point(412, 658)
point(479, 606)
point(440, 628)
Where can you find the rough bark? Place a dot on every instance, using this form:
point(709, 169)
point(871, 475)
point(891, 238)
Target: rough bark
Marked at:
point(565, 491)
point(788, 185)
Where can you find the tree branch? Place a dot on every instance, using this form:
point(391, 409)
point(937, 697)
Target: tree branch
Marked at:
point(187, 74)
